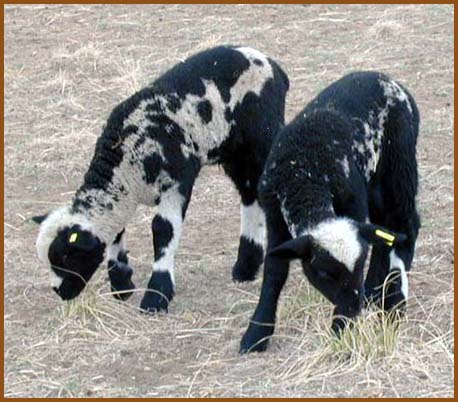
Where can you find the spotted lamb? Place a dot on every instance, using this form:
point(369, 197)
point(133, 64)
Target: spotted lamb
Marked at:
point(221, 106)
point(349, 156)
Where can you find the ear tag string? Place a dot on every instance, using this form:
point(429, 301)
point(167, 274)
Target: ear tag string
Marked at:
point(389, 238)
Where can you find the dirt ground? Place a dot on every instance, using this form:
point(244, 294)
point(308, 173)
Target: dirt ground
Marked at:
point(66, 67)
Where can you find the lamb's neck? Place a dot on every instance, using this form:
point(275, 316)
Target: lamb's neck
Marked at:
point(108, 210)
point(301, 214)
point(312, 220)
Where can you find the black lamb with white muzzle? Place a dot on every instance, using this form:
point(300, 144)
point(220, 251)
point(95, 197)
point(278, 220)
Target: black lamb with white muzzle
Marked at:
point(348, 157)
point(221, 106)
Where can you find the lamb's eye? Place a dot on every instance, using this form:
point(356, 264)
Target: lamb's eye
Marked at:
point(324, 275)
point(327, 275)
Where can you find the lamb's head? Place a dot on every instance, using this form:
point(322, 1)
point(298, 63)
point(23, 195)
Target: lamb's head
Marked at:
point(333, 254)
point(68, 244)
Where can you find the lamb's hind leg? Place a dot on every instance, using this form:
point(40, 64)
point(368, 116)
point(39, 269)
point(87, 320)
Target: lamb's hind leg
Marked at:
point(252, 222)
point(252, 240)
point(119, 272)
point(166, 229)
point(387, 282)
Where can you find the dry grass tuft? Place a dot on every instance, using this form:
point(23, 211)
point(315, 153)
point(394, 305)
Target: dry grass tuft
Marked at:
point(387, 29)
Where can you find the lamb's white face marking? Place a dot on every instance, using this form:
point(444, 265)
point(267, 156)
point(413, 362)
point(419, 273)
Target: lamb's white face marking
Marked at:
point(57, 220)
point(339, 237)
point(397, 263)
point(253, 223)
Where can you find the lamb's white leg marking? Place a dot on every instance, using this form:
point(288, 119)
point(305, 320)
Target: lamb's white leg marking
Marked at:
point(56, 280)
point(252, 242)
point(115, 248)
point(253, 223)
point(170, 210)
point(397, 263)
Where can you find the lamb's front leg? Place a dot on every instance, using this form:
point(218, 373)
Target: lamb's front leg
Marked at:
point(166, 229)
point(276, 270)
point(119, 272)
point(252, 241)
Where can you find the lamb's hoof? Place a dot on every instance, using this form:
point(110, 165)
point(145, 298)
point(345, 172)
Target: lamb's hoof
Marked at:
point(395, 306)
point(341, 324)
point(249, 259)
point(392, 301)
point(243, 272)
point(256, 339)
point(371, 296)
point(159, 294)
point(153, 303)
point(120, 275)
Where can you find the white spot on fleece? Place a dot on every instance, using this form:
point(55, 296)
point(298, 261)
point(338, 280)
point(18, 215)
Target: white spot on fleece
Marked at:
point(253, 223)
point(252, 79)
point(374, 126)
point(373, 136)
point(291, 225)
point(125, 191)
point(345, 166)
point(339, 237)
point(393, 91)
point(397, 263)
point(140, 117)
point(252, 54)
point(211, 135)
point(207, 135)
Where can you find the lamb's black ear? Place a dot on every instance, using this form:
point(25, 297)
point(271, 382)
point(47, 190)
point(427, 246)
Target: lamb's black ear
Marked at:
point(375, 234)
point(39, 218)
point(300, 247)
point(82, 239)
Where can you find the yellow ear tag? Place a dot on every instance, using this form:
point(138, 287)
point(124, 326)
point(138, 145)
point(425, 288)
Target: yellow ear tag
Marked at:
point(73, 238)
point(389, 238)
